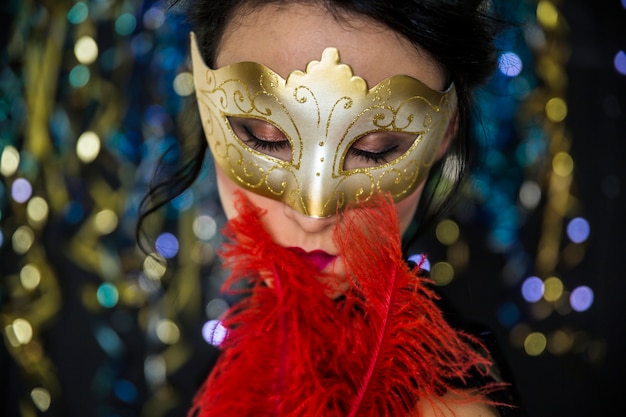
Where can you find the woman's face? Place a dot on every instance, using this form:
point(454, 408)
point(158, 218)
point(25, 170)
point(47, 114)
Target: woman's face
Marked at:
point(285, 38)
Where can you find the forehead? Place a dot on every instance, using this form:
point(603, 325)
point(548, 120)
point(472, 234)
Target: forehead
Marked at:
point(285, 38)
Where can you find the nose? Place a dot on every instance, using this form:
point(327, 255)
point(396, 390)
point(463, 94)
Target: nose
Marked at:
point(307, 223)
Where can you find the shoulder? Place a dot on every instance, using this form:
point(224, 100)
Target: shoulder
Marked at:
point(449, 406)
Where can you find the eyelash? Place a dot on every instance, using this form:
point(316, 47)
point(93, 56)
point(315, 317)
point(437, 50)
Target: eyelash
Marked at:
point(264, 145)
point(373, 157)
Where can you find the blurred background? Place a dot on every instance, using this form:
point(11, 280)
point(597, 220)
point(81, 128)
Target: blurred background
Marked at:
point(92, 93)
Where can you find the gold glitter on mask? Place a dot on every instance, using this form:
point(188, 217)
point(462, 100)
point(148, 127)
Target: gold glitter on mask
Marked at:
point(322, 112)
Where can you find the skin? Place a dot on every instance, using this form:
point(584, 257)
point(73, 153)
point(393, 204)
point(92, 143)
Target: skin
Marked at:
point(448, 406)
point(287, 37)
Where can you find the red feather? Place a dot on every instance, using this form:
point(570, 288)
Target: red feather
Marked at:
point(291, 350)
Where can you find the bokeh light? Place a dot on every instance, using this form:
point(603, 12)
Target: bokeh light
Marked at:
point(153, 18)
point(154, 266)
point(37, 210)
point(532, 289)
point(9, 161)
point(553, 289)
point(125, 391)
point(109, 340)
point(620, 62)
point(547, 14)
point(167, 245)
point(204, 227)
point(30, 277)
point(510, 64)
point(442, 273)
point(78, 13)
point(41, 398)
point(214, 332)
point(421, 260)
point(107, 295)
point(167, 332)
point(86, 50)
point(21, 190)
point(22, 239)
point(215, 308)
point(79, 76)
point(530, 194)
point(22, 330)
point(88, 146)
point(105, 221)
point(155, 370)
point(581, 298)
point(447, 232)
point(578, 230)
point(183, 84)
point(125, 24)
point(563, 164)
point(556, 109)
point(535, 344)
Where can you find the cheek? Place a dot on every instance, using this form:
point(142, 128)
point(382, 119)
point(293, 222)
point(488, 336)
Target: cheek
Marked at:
point(226, 189)
point(407, 207)
point(273, 220)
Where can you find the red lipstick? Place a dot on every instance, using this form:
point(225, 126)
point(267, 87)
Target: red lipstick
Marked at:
point(318, 258)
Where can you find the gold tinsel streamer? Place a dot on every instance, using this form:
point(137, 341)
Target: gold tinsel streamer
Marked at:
point(543, 109)
point(550, 103)
point(28, 311)
point(39, 49)
point(547, 107)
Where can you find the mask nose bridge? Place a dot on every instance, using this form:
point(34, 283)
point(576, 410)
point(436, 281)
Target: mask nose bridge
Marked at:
point(327, 108)
point(317, 175)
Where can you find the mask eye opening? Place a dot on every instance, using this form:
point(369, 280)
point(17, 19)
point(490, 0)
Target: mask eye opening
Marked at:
point(377, 149)
point(261, 136)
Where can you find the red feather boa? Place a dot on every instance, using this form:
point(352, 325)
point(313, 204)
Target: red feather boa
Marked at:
point(291, 350)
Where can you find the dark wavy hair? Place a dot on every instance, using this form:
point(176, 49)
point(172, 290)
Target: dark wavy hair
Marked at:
point(458, 34)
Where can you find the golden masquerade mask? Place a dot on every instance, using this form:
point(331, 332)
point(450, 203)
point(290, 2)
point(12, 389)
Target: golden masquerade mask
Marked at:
point(322, 112)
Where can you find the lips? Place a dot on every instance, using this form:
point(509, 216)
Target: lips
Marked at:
point(318, 258)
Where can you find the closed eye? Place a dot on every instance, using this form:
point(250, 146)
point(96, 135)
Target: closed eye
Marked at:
point(377, 148)
point(262, 136)
point(376, 158)
point(263, 145)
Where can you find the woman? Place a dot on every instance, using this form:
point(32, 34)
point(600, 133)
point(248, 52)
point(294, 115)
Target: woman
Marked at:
point(325, 120)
